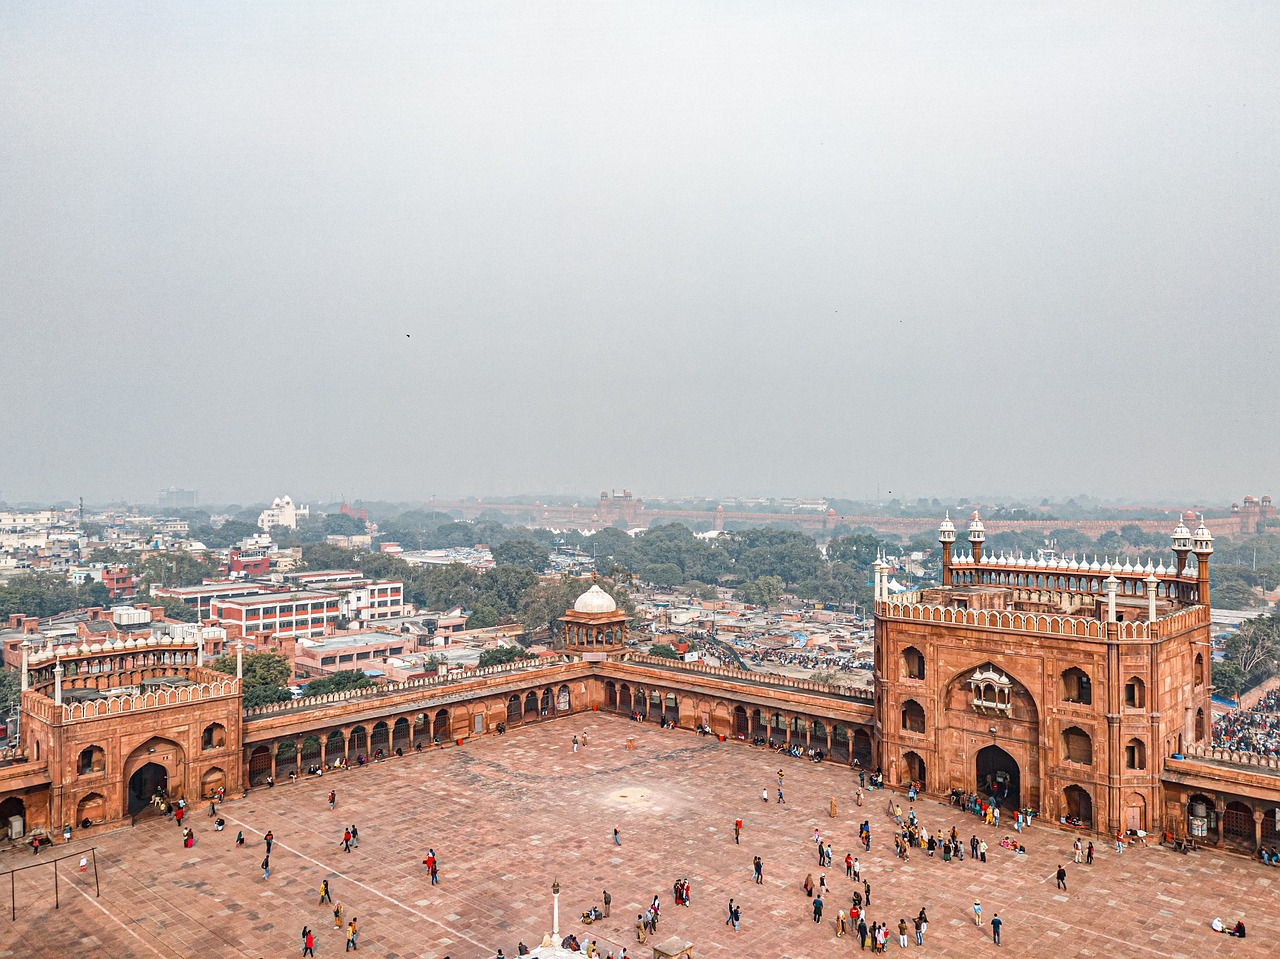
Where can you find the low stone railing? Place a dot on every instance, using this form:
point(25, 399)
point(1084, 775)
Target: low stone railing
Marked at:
point(769, 679)
point(165, 696)
point(1233, 756)
point(391, 689)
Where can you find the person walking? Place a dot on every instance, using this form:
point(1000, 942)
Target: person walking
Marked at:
point(608, 901)
point(996, 923)
point(737, 917)
point(862, 931)
point(728, 917)
point(1119, 842)
point(848, 865)
point(1062, 878)
point(841, 924)
point(758, 866)
point(1088, 859)
point(346, 840)
point(266, 867)
point(575, 743)
point(324, 893)
point(977, 912)
point(355, 837)
point(919, 924)
point(617, 840)
point(781, 801)
point(351, 936)
point(308, 942)
point(640, 929)
point(866, 892)
point(737, 832)
point(764, 795)
point(269, 838)
point(337, 916)
point(333, 799)
point(817, 909)
point(857, 870)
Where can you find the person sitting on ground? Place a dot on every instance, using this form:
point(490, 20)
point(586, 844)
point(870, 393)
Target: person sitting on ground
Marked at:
point(1217, 925)
point(219, 824)
point(1238, 929)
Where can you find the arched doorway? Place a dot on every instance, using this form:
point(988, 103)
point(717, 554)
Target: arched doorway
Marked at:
point(531, 705)
point(610, 695)
point(1078, 806)
point(1237, 825)
point(739, 721)
point(997, 775)
point(1135, 812)
point(150, 779)
point(514, 712)
point(90, 810)
point(562, 699)
point(914, 770)
point(440, 725)
point(259, 765)
point(13, 806)
point(862, 747)
point(624, 698)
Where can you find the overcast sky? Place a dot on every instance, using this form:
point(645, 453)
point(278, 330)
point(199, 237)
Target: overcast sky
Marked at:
point(391, 251)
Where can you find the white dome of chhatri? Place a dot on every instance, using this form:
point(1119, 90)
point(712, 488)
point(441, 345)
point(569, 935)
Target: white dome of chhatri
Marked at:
point(594, 600)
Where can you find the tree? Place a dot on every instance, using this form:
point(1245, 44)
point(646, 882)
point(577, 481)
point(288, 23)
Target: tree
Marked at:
point(664, 650)
point(340, 524)
point(48, 595)
point(1255, 648)
point(177, 609)
point(1228, 678)
point(503, 655)
point(662, 574)
point(523, 553)
point(338, 682)
point(266, 677)
point(482, 616)
point(762, 591)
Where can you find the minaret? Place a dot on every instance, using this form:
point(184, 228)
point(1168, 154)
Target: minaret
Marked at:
point(1181, 546)
point(1202, 546)
point(1111, 584)
point(977, 536)
point(947, 537)
point(1153, 584)
point(57, 683)
point(26, 664)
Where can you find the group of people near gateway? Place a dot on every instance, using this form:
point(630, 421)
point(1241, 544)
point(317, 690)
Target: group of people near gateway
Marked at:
point(1252, 730)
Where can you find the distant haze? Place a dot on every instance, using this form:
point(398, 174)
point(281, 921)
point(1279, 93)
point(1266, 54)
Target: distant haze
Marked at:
point(396, 250)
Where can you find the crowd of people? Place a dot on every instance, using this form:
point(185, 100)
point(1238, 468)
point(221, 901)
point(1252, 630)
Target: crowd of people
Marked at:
point(1252, 730)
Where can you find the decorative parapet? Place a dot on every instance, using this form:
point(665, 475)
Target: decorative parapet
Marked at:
point(1234, 757)
point(392, 689)
point(1082, 626)
point(739, 675)
point(165, 696)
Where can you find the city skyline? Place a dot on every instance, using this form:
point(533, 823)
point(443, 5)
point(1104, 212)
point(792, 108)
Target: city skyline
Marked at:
point(792, 251)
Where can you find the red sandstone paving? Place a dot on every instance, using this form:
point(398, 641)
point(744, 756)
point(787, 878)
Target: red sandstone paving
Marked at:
point(508, 814)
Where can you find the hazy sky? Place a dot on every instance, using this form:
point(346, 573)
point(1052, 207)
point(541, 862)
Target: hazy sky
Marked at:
point(790, 248)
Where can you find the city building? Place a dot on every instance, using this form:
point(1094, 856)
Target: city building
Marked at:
point(174, 498)
point(282, 513)
point(282, 615)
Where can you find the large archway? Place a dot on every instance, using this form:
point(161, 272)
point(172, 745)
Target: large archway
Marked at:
point(997, 775)
point(991, 724)
point(150, 779)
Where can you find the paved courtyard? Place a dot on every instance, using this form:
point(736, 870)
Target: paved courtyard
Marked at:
point(507, 815)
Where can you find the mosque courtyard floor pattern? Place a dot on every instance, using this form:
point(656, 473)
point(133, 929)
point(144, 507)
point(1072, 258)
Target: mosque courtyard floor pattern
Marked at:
point(509, 814)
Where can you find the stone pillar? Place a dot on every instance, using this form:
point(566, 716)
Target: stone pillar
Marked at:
point(57, 684)
point(240, 661)
point(26, 664)
point(274, 747)
point(1111, 584)
point(1153, 584)
point(1257, 829)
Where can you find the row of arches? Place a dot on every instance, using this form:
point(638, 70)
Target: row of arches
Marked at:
point(1233, 823)
point(840, 742)
point(534, 706)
